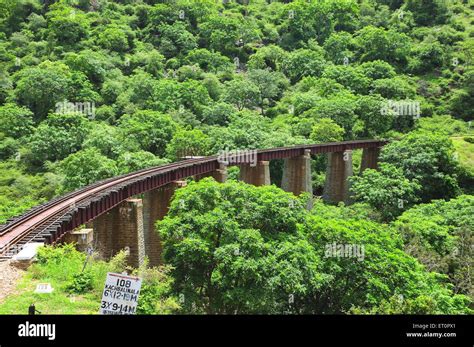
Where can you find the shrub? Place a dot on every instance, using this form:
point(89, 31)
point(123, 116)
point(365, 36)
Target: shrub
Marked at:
point(81, 283)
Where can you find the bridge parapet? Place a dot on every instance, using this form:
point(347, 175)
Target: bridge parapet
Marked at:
point(51, 221)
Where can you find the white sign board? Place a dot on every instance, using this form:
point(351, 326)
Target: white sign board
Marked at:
point(120, 294)
point(44, 288)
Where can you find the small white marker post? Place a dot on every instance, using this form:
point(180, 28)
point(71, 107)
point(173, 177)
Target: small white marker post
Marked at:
point(44, 288)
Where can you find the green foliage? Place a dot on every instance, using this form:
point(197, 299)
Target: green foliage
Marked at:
point(241, 93)
point(81, 283)
point(152, 130)
point(40, 88)
point(175, 39)
point(66, 24)
point(237, 248)
point(427, 158)
point(339, 108)
point(188, 143)
point(191, 78)
point(428, 12)
point(443, 124)
point(350, 77)
point(114, 38)
point(380, 44)
point(80, 292)
point(208, 61)
point(15, 121)
point(20, 191)
point(440, 235)
point(303, 62)
point(154, 294)
point(270, 86)
point(373, 122)
point(137, 160)
point(326, 130)
point(386, 190)
point(461, 101)
point(85, 167)
point(57, 137)
point(426, 56)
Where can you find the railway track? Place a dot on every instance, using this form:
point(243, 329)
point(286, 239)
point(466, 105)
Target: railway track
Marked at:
point(33, 226)
point(50, 221)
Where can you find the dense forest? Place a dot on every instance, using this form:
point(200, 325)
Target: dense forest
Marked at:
point(91, 89)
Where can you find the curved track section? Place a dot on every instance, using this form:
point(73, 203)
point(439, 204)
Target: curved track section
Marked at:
point(49, 222)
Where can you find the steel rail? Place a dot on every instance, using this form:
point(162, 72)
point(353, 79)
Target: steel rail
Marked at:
point(50, 221)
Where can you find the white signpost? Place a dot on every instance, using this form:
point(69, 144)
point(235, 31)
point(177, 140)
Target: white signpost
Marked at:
point(120, 294)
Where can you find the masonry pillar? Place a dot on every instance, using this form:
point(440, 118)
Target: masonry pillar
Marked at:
point(297, 174)
point(156, 203)
point(120, 228)
point(83, 238)
point(258, 175)
point(339, 168)
point(220, 175)
point(370, 158)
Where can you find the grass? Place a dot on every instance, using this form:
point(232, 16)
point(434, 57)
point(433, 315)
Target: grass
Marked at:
point(58, 268)
point(61, 265)
point(465, 151)
point(57, 302)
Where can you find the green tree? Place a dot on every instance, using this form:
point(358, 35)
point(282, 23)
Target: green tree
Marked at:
point(339, 47)
point(57, 137)
point(270, 85)
point(374, 121)
point(340, 108)
point(386, 190)
point(397, 88)
point(92, 64)
point(68, 25)
point(15, 121)
point(175, 39)
point(350, 77)
point(227, 34)
point(236, 248)
point(228, 256)
point(209, 61)
point(462, 100)
point(380, 44)
point(377, 69)
point(41, 87)
point(151, 129)
point(241, 93)
point(114, 38)
point(426, 56)
point(137, 160)
point(303, 62)
point(188, 143)
point(85, 167)
point(439, 234)
point(428, 12)
point(326, 130)
point(427, 158)
point(375, 274)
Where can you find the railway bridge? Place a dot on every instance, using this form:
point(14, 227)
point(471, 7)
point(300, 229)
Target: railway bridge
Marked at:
point(120, 212)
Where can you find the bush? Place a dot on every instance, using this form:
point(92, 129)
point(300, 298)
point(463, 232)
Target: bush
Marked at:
point(81, 283)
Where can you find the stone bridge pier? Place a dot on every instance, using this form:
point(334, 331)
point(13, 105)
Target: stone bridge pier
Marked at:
point(131, 223)
point(258, 175)
point(297, 175)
